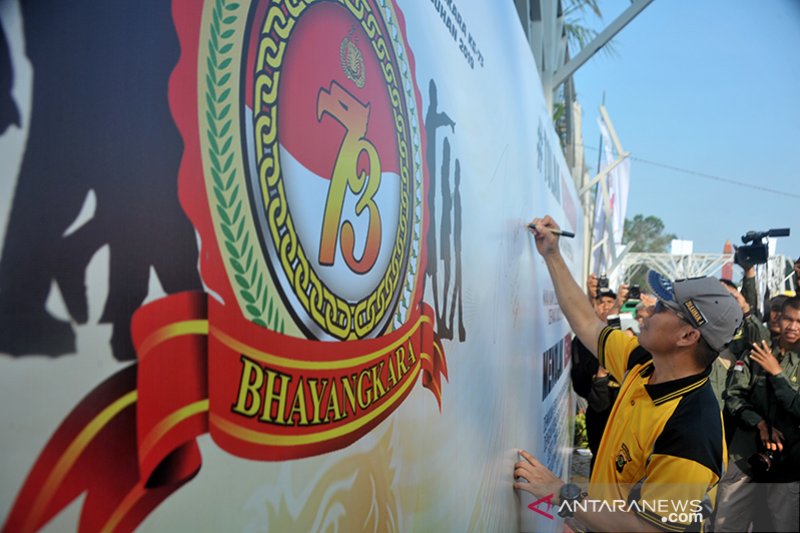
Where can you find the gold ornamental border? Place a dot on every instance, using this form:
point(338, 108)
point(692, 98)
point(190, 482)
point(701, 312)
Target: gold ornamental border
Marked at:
point(332, 313)
point(219, 71)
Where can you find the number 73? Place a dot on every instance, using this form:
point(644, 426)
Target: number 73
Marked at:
point(353, 115)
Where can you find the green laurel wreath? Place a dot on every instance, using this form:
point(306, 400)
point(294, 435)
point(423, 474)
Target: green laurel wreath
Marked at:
point(238, 241)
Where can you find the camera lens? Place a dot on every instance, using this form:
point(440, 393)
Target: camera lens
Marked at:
point(762, 461)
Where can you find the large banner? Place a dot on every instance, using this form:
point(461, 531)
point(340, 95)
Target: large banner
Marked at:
point(265, 267)
point(611, 224)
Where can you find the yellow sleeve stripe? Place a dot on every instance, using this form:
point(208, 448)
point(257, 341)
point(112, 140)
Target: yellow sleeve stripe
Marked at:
point(601, 345)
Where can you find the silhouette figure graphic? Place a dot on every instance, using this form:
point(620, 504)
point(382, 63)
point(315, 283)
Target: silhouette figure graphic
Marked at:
point(100, 121)
point(9, 114)
point(449, 228)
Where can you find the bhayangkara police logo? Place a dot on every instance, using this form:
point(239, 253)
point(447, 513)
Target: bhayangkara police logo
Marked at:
point(312, 144)
point(330, 188)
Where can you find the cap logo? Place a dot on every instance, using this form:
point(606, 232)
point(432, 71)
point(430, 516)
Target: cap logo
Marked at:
point(661, 286)
point(695, 313)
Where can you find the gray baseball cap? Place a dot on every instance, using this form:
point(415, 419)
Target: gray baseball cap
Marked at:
point(704, 303)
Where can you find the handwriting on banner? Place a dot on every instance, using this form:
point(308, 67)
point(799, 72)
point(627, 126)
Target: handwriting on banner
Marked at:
point(457, 28)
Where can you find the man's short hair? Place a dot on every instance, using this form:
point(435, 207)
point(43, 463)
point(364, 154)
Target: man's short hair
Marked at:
point(605, 292)
point(729, 283)
point(793, 302)
point(776, 302)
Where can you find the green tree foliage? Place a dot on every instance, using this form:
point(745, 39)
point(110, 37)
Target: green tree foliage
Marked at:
point(647, 235)
point(579, 17)
point(579, 34)
point(580, 440)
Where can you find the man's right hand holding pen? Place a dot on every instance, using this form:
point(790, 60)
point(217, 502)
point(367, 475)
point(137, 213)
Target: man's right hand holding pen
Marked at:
point(545, 232)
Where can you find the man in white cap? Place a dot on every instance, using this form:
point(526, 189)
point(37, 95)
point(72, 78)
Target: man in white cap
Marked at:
point(663, 451)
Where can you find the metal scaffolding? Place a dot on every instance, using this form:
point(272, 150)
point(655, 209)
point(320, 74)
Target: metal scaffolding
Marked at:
point(675, 266)
point(775, 276)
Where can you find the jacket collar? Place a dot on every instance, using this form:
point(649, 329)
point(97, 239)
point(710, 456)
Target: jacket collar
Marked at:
point(792, 355)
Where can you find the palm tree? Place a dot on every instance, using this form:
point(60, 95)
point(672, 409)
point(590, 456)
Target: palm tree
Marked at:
point(578, 34)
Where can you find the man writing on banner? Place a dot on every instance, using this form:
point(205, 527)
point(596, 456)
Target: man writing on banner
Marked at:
point(663, 450)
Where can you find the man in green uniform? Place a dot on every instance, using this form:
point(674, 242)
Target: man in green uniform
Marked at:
point(763, 396)
point(732, 353)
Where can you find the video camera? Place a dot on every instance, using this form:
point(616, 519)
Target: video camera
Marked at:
point(756, 253)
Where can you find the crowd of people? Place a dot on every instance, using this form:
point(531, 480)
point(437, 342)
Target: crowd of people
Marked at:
point(690, 395)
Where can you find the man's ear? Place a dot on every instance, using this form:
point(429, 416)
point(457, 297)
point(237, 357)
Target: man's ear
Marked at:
point(688, 336)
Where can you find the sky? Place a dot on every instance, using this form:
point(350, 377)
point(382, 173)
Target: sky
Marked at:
point(713, 87)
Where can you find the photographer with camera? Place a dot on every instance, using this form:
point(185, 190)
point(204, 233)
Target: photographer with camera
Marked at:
point(763, 396)
point(755, 252)
point(720, 369)
point(758, 327)
point(753, 330)
point(605, 301)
